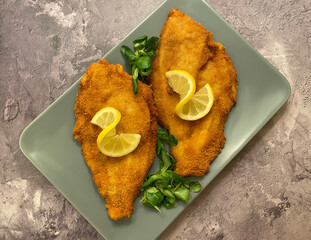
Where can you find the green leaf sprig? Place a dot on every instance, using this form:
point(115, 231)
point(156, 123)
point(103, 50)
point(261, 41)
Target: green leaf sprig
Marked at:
point(164, 187)
point(141, 59)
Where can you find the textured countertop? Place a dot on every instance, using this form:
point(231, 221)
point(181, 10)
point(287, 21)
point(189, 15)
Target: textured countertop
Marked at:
point(264, 193)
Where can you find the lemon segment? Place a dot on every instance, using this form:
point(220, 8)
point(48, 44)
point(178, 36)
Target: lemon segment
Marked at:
point(106, 116)
point(192, 106)
point(108, 141)
point(182, 83)
point(117, 145)
point(198, 106)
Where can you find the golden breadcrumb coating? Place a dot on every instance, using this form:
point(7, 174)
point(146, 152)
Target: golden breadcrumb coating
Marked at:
point(186, 45)
point(118, 179)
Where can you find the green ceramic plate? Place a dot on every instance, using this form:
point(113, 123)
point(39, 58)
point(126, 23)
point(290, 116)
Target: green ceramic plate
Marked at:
point(49, 145)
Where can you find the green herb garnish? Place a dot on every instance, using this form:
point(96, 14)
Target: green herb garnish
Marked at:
point(165, 186)
point(141, 59)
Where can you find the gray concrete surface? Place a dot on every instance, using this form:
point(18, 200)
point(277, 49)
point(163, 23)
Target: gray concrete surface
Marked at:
point(264, 193)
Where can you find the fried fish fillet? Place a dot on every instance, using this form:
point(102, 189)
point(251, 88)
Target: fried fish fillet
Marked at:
point(186, 45)
point(117, 179)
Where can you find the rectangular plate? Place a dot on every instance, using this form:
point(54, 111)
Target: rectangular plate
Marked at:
point(49, 145)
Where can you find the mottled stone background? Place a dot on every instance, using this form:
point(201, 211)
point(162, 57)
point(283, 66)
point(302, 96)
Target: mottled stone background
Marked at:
point(264, 193)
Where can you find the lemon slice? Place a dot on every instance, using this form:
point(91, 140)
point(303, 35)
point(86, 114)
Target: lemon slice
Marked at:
point(117, 145)
point(106, 116)
point(108, 141)
point(182, 83)
point(192, 106)
point(198, 106)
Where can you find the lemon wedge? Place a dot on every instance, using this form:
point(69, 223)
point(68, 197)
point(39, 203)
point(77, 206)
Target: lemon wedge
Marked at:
point(192, 106)
point(108, 141)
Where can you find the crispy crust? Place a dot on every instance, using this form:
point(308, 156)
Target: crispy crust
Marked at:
point(186, 45)
point(118, 179)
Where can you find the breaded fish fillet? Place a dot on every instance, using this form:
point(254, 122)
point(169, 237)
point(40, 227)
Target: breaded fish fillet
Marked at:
point(118, 179)
point(186, 45)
